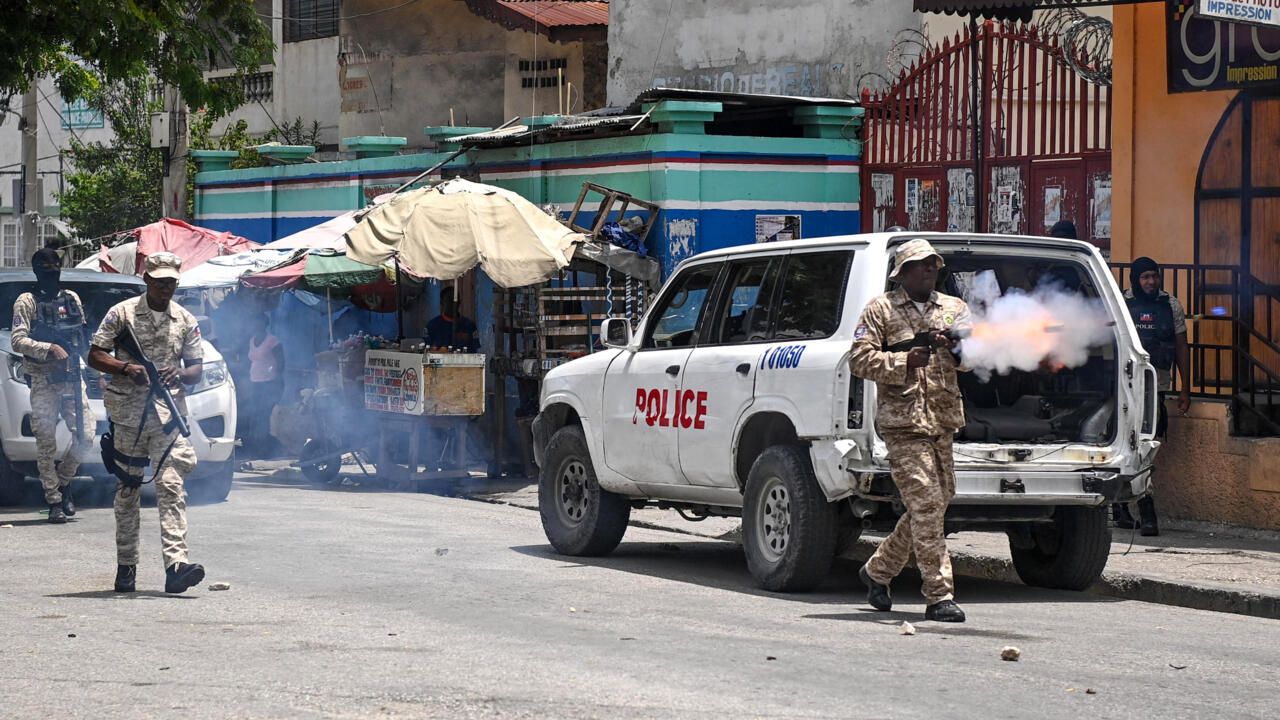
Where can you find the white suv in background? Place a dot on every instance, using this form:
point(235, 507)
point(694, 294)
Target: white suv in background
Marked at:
point(733, 397)
point(211, 404)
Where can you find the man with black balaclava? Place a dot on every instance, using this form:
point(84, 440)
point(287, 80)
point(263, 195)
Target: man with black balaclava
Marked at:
point(48, 330)
point(1162, 328)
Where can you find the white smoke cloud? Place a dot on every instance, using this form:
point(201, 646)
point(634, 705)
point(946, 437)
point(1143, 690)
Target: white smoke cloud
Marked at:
point(1022, 331)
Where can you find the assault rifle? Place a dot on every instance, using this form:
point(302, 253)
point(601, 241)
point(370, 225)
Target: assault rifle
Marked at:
point(927, 340)
point(158, 391)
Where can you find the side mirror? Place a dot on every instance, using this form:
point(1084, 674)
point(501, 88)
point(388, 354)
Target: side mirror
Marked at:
point(615, 332)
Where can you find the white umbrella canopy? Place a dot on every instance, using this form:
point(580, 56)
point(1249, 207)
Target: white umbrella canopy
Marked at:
point(443, 231)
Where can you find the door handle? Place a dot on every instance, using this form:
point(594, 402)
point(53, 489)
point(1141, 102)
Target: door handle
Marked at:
point(744, 369)
point(673, 370)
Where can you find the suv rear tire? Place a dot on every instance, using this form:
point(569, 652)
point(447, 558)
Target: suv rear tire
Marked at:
point(1068, 554)
point(788, 527)
point(578, 516)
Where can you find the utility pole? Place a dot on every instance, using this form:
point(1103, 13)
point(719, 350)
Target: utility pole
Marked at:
point(32, 200)
point(174, 202)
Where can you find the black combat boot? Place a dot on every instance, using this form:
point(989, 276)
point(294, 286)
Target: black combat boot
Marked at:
point(56, 516)
point(68, 505)
point(126, 577)
point(1122, 517)
point(877, 595)
point(180, 576)
point(945, 611)
point(1149, 526)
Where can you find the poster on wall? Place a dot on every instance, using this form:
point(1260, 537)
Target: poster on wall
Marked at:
point(1212, 54)
point(913, 196)
point(960, 200)
point(1052, 205)
point(882, 199)
point(777, 228)
point(1102, 207)
point(1004, 203)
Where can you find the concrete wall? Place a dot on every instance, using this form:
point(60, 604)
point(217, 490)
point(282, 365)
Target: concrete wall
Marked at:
point(528, 102)
point(789, 47)
point(404, 70)
point(1202, 473)
point(1153, 210)
point(305, 85)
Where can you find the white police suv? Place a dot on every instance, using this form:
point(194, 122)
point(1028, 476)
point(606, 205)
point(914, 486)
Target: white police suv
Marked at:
point(733, 397)
point(211, 404)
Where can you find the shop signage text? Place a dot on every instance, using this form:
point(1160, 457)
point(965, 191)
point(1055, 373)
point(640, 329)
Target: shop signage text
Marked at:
point(1265, 12)
point(1206, 54)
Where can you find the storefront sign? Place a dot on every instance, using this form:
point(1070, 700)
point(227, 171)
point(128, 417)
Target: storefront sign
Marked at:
point(1264, 12)
point(1207, 54)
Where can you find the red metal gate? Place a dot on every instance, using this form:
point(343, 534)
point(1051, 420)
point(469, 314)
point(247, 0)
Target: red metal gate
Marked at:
point(1046, 143)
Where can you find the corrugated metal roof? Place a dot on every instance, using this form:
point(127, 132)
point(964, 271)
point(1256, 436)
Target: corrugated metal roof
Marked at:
point(1009, 9)
point(559, 13)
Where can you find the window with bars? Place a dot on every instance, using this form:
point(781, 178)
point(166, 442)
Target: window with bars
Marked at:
point(310, 19)
point(545, 73)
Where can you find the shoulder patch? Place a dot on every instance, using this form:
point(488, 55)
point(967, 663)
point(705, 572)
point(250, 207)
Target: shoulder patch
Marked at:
point(861, 332)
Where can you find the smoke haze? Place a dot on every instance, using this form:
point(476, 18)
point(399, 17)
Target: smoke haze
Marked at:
point(1021, 331)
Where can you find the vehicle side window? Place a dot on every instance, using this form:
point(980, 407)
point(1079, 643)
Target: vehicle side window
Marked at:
point(813, 289)
point(747, 306)
point(677, 314)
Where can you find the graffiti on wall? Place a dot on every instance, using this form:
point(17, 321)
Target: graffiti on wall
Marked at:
point(680, 239)
point(804, 79)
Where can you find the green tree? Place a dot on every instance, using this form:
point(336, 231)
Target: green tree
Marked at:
point(115, 187)
point(85, 43)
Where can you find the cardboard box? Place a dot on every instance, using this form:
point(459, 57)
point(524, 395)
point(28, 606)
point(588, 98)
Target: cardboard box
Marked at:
point(431, 384)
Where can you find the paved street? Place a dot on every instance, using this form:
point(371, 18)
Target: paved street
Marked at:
point(362, 603)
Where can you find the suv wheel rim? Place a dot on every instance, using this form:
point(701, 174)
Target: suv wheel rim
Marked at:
point(773, 517)
point(571, 490)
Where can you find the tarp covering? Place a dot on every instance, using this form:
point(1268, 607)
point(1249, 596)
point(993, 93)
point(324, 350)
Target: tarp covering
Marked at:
point(314, 270)
point(443, 231)
point(227, 270)
point(194, 244)
point(328, 234)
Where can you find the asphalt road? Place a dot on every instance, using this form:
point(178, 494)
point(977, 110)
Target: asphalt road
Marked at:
point(370, 604)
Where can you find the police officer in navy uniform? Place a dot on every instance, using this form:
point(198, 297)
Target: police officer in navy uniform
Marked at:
point(1162, 328)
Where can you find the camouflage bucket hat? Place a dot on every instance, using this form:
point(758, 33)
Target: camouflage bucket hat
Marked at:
point(913, 250)
point(164, 265)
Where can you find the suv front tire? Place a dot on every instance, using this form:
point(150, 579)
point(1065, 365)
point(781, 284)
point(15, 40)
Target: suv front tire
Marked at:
point(578, 516)
point(788, 527)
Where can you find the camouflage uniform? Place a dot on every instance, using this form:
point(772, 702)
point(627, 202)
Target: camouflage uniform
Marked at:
point(49, 401)
point(918, 412)
point(169, 340)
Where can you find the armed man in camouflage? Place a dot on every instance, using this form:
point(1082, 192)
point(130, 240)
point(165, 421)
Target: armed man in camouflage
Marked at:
point(170, 338)
point(48, 331)
point(919, 410)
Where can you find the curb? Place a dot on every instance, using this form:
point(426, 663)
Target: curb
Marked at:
point(1126, 586)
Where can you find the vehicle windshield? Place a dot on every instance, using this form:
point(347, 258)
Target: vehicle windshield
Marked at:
point(98, 297)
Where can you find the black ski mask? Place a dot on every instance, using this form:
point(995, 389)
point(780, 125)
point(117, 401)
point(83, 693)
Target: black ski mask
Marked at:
point(1140, 266)
point(48, 269)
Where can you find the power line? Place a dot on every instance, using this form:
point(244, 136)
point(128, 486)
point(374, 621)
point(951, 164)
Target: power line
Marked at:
point(340, 17)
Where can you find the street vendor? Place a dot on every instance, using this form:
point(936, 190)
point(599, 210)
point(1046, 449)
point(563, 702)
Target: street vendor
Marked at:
point(450, 329)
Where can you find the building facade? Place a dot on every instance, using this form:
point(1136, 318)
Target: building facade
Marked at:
point(787, 47)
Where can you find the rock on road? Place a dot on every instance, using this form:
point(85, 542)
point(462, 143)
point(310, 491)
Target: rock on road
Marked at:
point(369, 604)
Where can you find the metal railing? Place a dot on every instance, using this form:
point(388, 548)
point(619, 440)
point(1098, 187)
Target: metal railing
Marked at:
point(1233, 323)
